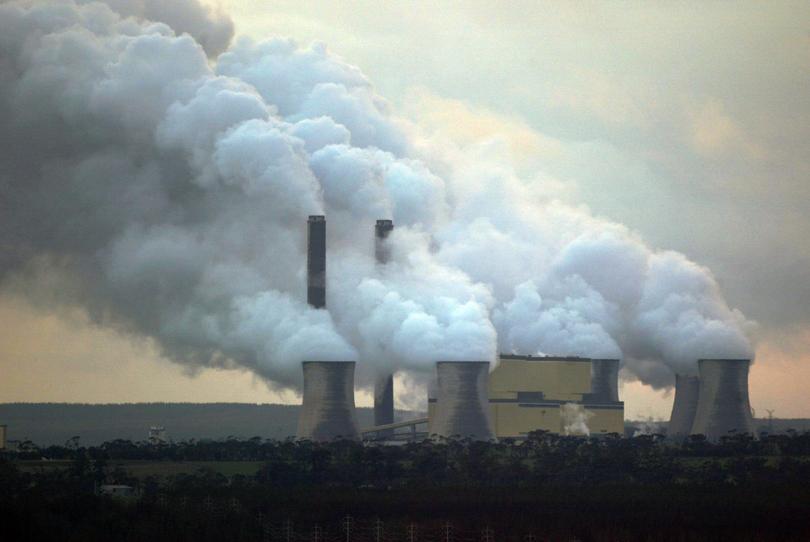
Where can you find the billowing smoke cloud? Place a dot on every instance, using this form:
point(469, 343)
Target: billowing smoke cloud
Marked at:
point(647, 427)
point(172, 192)
point(207, 25)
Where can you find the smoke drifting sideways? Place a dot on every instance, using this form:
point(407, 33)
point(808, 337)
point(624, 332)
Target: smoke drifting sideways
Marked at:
point(166, 192)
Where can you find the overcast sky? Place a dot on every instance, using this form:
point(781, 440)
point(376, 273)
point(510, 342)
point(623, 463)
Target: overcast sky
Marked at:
point(688, 122)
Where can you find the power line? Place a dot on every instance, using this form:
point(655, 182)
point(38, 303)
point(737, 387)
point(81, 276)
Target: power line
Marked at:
point(378, 530)
point(347, 525)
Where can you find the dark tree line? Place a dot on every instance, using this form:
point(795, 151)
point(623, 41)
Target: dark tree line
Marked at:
point(555, 487)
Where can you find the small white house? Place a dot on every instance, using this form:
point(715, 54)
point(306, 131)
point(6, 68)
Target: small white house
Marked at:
point(157, 435)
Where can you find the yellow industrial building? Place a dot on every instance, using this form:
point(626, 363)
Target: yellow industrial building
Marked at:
point(529, 393)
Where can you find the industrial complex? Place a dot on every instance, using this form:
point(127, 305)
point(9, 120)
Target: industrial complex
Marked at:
point(521, 394)
point(527, 393)
point(715, 403)
point(509, 399)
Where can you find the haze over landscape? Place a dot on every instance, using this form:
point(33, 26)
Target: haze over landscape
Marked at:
point(541, 165)
point(385, 270)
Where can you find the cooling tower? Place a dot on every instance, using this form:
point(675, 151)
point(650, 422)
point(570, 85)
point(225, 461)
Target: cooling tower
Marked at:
point(605, 380)
point(462, 400)
point(316, 261)
point(384, 384)
point(327, 412)
point(684, 406)
point(723, 404)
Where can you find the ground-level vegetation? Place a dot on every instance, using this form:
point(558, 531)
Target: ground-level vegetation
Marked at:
point(547, 488)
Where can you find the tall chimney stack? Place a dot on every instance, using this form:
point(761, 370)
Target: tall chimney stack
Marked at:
point(462, 400)
point(316, 261)
point(384, 383)
point(381, 230)
point(384, 403)
point(327, 410)
point(723, 404)
point(684, 406)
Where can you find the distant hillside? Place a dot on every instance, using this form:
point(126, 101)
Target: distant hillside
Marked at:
point(781, 425)
point(55, 423)
point(778, 425)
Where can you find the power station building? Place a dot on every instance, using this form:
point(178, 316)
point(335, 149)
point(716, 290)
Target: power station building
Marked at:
point(527, 393)
point(522, 394)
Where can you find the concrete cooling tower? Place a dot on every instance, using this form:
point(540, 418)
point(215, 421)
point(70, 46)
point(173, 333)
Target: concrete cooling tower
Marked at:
point(316, 261)
point(327, 412)
point(384, 383)
point(462, 400)
point(605, 380)
point(684, 406)
point(723, 404)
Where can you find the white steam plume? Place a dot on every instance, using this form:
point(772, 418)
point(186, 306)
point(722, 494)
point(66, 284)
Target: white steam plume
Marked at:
point(574, 419)
point(209, 26)
point(173, 190)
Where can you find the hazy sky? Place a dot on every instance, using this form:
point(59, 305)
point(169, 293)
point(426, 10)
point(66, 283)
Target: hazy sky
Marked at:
point(688, 122)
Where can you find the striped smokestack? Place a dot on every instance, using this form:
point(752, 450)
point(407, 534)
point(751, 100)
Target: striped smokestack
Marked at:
point(316, 261)
point(384, 383)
